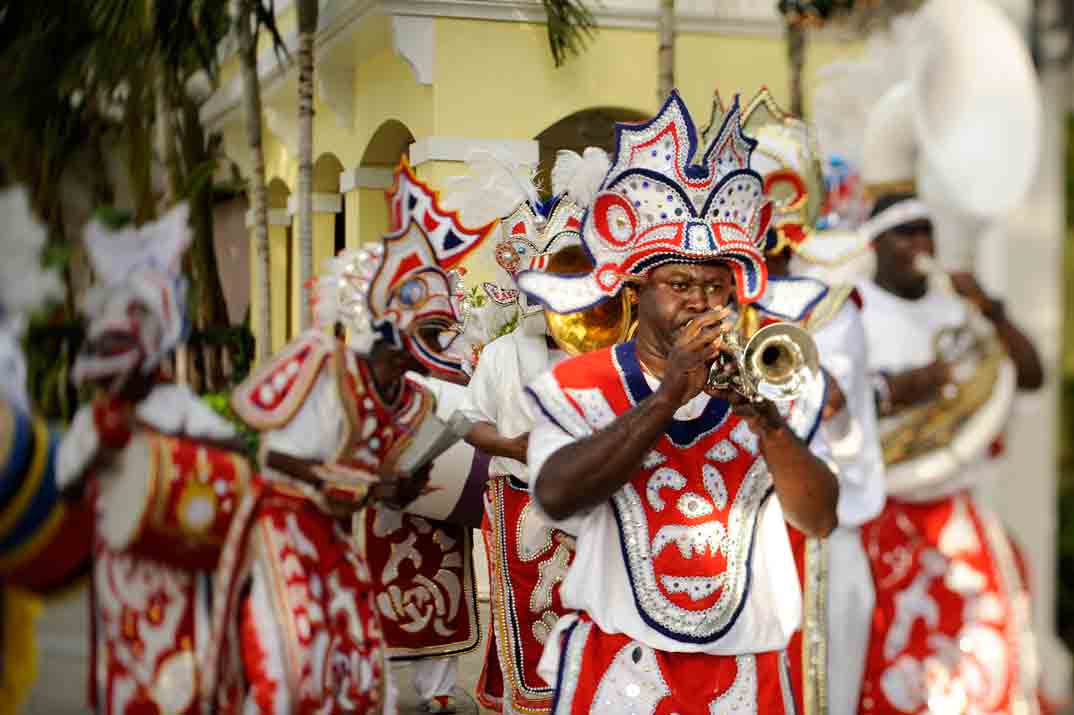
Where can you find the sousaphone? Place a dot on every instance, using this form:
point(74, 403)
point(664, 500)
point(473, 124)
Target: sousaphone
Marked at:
point(603, 325)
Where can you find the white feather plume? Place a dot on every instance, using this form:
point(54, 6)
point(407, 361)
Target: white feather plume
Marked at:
point(24, 283)
point(849, 89)
point(580, 176)
point(491, 189)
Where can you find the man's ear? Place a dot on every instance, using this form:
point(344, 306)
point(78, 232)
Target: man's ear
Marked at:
point(632, 294)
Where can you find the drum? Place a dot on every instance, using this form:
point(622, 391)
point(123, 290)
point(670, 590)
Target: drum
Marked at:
point(170, 499)
point(458, 476)
point(44, 544)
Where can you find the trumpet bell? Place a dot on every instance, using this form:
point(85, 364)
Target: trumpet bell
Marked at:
point(601, 326)
point(780, 361)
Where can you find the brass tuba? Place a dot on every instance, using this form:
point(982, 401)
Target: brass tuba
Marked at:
point(603, 325)
point(778, 363)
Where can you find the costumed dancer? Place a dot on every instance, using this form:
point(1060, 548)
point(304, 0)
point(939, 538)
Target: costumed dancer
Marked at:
point(150, 455)
point(307, 616)
point(837, 585)
point(683, 577)
point(527, 557)
point(43, 544)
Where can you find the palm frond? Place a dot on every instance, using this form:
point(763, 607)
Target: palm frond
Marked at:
point(570, 26)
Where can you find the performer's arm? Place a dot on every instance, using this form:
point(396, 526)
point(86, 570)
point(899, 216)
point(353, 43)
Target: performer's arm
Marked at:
point(587, 472)
point(1020, 348)
point(895, 390)
point(808, 490)
point(487, 438)
point(482, 405)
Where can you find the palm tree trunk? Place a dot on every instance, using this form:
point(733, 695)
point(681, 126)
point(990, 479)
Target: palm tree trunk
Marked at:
point(307, 28)
point(251, 93)
point(666, 54)
point(796, 41)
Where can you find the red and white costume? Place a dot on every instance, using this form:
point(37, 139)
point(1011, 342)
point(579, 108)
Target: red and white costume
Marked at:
point(951, 628)
point(826, 666)
point(527, 557)
point(330, 601)
point(684, 580)
point(164, 501)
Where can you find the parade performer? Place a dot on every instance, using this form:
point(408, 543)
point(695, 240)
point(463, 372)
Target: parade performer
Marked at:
point(163, 488)
point(307, 616)
point(683, 575)
point(43, 547)
point(951, 630)
point(837, 585)
point(527, 557)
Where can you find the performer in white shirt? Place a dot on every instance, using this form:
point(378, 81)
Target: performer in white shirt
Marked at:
point(951, 630)
point(683, 575)
point(952, 621)
point(826, 666)
point(528, 558)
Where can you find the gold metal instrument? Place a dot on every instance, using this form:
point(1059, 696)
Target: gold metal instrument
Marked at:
point(778, 363)
point(975, 355)
point(601, 326)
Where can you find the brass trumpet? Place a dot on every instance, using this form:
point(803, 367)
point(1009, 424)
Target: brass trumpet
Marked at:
point(778, 364)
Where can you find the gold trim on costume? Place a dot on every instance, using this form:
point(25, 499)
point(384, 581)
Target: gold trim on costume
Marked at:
point(895, 186)
point(828, 307)
point(815, 628)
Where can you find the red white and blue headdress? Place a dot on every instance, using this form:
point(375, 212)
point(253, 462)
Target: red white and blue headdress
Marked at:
point(661, 202)
point(402, 291)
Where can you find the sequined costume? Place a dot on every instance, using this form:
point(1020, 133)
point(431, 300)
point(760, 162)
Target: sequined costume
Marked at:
point(329, 601)
point(163, 495)
point(527, 557)
point(686, 572)
point(952, 623)
point(826, 667)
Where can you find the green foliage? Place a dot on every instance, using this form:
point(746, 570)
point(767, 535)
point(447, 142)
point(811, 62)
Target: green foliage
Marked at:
point(220, 402)
point(509, 326)
point(817, 12)
point(570, 25)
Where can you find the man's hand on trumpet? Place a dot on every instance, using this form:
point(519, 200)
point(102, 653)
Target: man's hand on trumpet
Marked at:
point(696, 346)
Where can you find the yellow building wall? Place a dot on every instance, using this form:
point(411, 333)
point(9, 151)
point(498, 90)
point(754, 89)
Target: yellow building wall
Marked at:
point(496, 80)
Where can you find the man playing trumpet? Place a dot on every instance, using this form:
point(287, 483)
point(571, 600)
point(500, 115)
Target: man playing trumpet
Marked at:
point(683, 578)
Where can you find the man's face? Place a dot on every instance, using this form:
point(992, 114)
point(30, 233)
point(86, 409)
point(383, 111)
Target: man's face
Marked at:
point(896, 250)
point(674, 294)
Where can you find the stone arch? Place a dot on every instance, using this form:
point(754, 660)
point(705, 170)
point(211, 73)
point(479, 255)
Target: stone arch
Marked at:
point(389, 142)
point(594, 126)
point(278, 193)
point(326, 171)
point(366, 184)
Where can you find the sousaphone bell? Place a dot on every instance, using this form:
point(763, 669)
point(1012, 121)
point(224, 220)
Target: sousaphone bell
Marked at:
point(602, 326)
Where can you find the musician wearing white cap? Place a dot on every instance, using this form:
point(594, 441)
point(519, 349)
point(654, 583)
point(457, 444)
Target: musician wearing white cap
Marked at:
point(951, 596)
point(676, 489)
point(309, 613)
point(826, 663)
point(528, 558)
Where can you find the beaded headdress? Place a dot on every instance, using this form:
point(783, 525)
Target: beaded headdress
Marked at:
point(663, 202)
point(786, 158)
point(401, 290)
